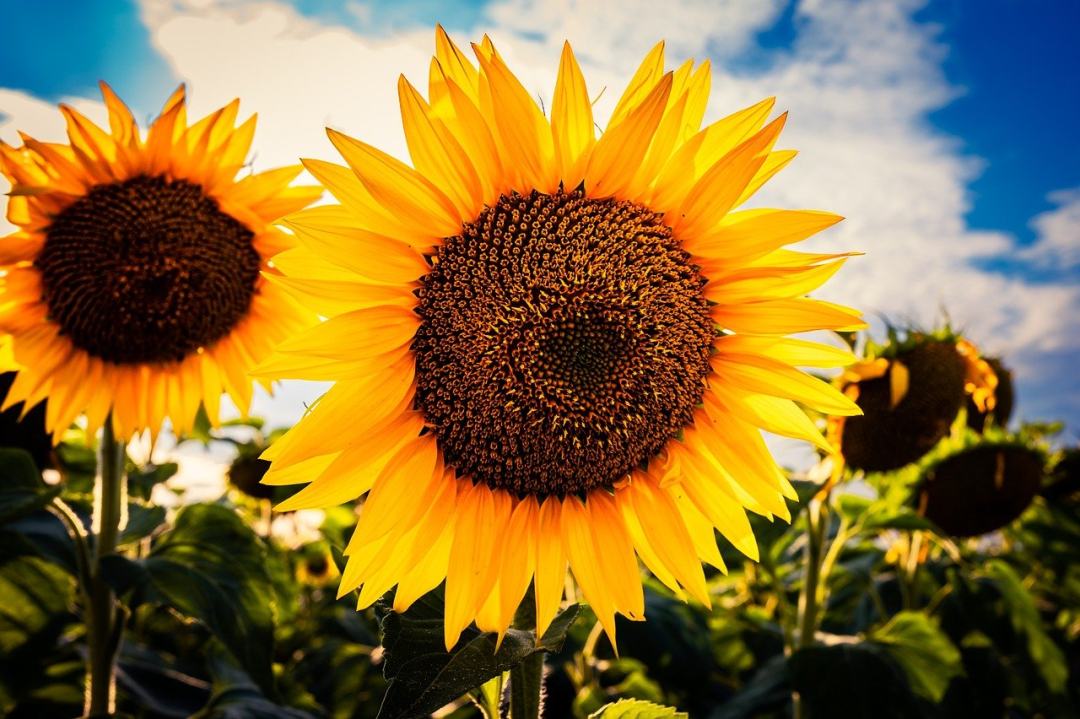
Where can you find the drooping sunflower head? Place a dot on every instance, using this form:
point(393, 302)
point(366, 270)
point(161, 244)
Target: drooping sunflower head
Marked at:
point(980, 487)
point(134, 280)
point(910, 391)
point(551, 347)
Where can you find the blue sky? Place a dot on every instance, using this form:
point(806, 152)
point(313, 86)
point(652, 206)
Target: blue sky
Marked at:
point(961, 117)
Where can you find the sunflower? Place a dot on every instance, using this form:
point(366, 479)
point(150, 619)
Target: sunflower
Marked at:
point(910, 392)
point(977, 489)
point(135, 280)
point(551, 348)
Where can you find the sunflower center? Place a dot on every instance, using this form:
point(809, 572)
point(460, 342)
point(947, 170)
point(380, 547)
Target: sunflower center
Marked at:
point(147, 270)
point(564, 340)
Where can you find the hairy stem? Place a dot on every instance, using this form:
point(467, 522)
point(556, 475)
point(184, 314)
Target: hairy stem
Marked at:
point(103, 625)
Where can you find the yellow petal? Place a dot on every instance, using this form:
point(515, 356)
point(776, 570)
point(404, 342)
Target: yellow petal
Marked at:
point(667, 532)
point(430, 556)
point(621, 149)
point(703, 150)
point(795, 352)
point(572, 128)
point(786, 316)
point(455, 63)
point(899, 380)
point(468, 576)
point(584, 561)
point(437, 155)
point(401, 190)
point(619, 568)
point(770, 377)
point(719, 188)
point(550, 564)
point(772, 414)
point(771, 282)
point(774, 162)
point(641, 84)
point(523, 130)
point(356, 335)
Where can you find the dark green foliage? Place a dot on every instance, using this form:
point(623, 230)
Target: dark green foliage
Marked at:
point(22, 491)
point(423, 676)
point(210, 567)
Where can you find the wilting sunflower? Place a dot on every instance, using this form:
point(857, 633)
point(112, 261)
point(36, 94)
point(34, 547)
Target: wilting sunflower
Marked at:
point(550, 347)
point(910, 392)
point(134, 280)
point(976, 489)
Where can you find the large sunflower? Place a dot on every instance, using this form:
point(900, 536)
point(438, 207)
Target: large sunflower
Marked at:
point(549, 347)
point(132, 283)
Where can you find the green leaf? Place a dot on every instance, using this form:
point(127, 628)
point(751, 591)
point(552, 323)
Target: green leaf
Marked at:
point(903, 520)
point(210, 567)
point(142, 521)
point(637, 709)
point(424, 676)
point(142, 480)
point(673, 643)
point(879, 514)
point(854, 680)
point(922, 650)
point(1024, 616)
point(22, 490)
point(35, 597)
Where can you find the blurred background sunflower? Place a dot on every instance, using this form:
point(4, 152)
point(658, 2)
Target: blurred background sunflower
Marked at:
point(133, 283)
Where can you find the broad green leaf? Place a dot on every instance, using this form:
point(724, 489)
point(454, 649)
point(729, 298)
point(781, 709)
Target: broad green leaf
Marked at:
point(210, 567)
point(1025, 619)
point(142, 480)
point(35, 600)
point(923, 651)
point(424, 676)
point(903, 519)
point(637, 709)
point(673, 643)
point(22, 490)
point(879, 514)
point(143, 519)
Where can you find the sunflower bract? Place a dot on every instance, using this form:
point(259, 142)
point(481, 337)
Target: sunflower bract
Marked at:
point(552, 348)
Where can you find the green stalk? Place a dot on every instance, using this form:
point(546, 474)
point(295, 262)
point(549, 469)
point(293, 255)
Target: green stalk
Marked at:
point(808, 599)
point(527, 678)
point(103, 619)
point(817, 521)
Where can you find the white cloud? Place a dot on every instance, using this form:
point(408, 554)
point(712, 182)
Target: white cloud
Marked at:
point(298, 74)
point(1057, 231)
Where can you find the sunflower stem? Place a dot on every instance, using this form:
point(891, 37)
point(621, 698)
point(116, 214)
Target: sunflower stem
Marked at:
point(812, 592)
point(103, 620)
point(527, 678)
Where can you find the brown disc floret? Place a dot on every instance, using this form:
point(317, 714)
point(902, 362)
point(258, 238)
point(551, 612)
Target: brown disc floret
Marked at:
point(564, 340)
point(147, 270)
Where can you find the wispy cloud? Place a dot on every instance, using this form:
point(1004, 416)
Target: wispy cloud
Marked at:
point(1057, 235)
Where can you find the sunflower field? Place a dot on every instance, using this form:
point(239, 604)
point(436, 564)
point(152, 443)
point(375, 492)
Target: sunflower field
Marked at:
point(560, 356)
